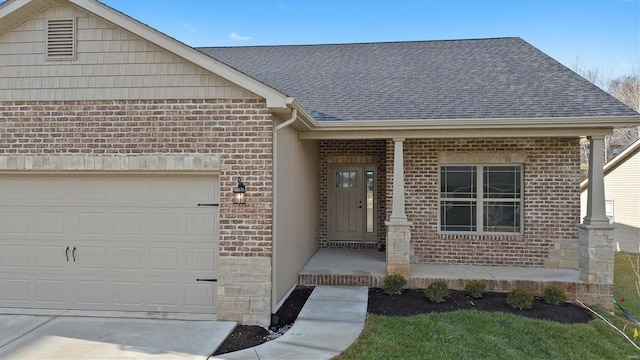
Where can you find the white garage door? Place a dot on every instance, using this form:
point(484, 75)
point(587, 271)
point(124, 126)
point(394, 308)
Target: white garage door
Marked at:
point(128, 243)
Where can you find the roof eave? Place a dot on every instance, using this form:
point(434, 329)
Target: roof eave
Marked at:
point(479, 123)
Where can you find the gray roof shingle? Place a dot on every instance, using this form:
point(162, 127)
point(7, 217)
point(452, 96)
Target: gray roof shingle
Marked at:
point(451, 79)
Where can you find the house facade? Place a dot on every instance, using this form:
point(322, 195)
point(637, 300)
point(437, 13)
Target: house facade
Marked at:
point(622, 197)
point(120, 149)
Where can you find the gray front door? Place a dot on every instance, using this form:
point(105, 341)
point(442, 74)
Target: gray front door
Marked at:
point(351, 203)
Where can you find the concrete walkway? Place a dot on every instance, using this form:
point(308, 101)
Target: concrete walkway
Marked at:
point(330, 321)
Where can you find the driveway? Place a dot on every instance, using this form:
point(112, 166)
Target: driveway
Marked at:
point(64, 337)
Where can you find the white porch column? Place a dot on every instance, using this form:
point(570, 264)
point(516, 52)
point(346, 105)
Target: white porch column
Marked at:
point(398, 228)
point(596, 213)
point(596, 234)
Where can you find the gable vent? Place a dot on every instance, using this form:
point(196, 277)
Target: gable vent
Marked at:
point(61, 39)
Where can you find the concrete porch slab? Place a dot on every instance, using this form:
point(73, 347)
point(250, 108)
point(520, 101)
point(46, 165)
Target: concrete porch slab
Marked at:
point(342, 261)
point(468, 272)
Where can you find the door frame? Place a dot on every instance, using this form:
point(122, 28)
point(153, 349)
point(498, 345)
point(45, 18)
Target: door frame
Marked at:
point(369, 212)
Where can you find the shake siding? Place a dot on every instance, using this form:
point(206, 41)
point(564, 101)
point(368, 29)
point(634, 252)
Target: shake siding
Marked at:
point(110, 64)
point(296, 210)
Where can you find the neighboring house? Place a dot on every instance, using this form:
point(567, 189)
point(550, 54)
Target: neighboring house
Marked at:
point(622, 197)
point(112, 133)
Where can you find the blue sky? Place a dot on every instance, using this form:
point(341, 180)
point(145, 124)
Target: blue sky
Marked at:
point(603, 35)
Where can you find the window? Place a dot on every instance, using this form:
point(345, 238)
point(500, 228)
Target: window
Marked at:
point(346, 179)
point(481, 198)
point(61, 39)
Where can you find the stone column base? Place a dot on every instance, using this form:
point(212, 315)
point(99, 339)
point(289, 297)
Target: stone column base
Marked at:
point(596, 253)
point(398, 247)
point(244, 290)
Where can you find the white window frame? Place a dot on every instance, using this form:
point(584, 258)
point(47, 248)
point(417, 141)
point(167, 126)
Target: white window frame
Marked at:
point(480, 200)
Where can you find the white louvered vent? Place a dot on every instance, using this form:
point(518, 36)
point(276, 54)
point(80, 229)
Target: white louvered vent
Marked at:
point(61, 39)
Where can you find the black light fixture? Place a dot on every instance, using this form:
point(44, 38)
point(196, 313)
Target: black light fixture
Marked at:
point(238, 193)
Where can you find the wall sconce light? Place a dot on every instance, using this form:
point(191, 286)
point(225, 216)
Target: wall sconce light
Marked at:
point(238, 193)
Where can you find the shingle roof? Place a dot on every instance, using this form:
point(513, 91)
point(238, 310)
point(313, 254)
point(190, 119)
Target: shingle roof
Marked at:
point(454, 79)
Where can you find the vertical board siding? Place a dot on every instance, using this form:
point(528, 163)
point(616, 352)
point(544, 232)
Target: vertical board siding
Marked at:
point(111, 64)
point(296, 211)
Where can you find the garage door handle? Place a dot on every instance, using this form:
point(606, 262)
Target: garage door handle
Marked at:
point(209, 280)
point(208, 205)
point(73, 253)
point(66, 253)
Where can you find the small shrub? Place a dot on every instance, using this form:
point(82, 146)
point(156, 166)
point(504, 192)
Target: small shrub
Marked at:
point(437, 291)
point(520, 299)
point(393, 284)
point(554, 295)
point(475, 288)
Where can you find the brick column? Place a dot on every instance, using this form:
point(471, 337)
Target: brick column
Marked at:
point(398, 227)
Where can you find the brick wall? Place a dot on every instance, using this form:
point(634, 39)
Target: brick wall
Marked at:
point(239, 130)
point(352, 152)
point(552, 203)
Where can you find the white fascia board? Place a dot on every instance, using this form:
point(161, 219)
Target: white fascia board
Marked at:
point(608, 167)
point(305, 119)
point(11, 6)
point(453, 133)
point(630, 150)
point(522, 123)
point(11, 16)
point(274, 98)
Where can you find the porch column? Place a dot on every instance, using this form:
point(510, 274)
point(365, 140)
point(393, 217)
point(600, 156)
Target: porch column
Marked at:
point(596, 213)
point(596, 234)
point(398, 228)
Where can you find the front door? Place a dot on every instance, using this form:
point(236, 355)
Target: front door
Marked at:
point(351, 203)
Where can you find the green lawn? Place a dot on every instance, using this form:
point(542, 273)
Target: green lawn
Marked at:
point(624, 283)
point(479, 335)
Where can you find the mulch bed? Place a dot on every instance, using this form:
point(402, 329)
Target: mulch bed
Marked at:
point(410, 302)
point(246, 336)
point(414, 302)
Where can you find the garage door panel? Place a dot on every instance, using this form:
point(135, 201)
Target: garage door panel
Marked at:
point(127, 293)
point(52, 257)
point(50, 292)
point(15, 256)
point(166, 191)
point(15, 291)
point(199, 294)
point(163, 259)
point(16, 222)
point(141, 242)
point(91, 292)
point(128, 258)
point(130, 223)
point(164, 224)
point(54, 189)
point(92, 222)
point(90, 257)
point(201, 259)
point(50, 222)
point(163, 294)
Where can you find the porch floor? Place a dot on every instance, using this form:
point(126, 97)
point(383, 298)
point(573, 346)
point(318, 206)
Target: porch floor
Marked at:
point(367, 268)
